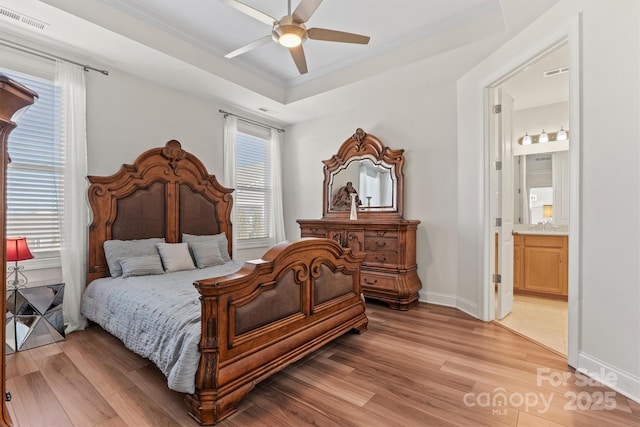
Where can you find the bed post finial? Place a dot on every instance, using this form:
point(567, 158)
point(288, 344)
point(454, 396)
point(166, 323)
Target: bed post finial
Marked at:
point(173, 152)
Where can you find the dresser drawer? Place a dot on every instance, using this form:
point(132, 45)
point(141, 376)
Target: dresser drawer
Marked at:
point(380, 244)
point(313, 232)
point(377, 281)
point(381, 258)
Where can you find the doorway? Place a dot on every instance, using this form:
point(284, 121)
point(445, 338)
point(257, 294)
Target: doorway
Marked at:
point(530, 187)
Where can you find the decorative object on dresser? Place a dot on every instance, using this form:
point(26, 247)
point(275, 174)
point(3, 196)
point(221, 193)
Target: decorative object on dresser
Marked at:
point(227, 326)
point(380, 232)
point(14, 100)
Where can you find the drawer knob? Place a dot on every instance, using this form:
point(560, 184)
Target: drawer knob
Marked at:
point(369, 282)
point(380, 245)
point(381, 258)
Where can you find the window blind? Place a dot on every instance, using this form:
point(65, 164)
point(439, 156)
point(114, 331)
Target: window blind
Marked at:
point(35, 176)
point(253, 188)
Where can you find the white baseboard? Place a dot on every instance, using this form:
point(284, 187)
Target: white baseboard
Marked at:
point(469, 307)
point(618, 380)
point(448, 300)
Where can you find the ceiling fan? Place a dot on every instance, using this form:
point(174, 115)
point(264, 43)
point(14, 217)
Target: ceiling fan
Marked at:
point(290, 31)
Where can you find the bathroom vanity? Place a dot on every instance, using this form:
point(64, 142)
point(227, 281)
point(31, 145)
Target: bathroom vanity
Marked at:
point(540, 263)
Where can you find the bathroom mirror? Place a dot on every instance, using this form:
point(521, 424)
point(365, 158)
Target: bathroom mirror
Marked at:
point(370, 169)
point(541, 188)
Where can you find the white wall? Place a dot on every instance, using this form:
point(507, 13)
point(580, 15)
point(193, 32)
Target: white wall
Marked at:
point(607, 294)
point(127, 115)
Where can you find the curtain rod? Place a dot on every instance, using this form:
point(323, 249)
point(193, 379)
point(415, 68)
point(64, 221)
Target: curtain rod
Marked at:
point(49, 56)
point(226, 113)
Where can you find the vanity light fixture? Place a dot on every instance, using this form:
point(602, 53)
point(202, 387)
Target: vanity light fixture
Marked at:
point(561, 135)
point(543, 137)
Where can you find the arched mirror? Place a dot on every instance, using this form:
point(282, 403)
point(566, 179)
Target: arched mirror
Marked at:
point(363, 165)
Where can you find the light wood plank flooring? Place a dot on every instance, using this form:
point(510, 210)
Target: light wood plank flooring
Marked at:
point(428, 366)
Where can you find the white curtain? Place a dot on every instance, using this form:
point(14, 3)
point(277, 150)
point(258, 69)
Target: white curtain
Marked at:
point(229, 166)
point(276, 182)
point(73, 254)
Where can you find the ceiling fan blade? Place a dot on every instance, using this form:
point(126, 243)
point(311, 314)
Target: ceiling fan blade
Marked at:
point(336, 36)
point(244, 49)
point(248, 10)
point(297, 53)
point(305, 9)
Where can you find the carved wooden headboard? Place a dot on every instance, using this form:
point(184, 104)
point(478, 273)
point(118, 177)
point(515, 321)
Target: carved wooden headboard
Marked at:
point(164, 193)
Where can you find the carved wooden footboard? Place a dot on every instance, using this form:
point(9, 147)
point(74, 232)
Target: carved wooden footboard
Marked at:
point(269, 314)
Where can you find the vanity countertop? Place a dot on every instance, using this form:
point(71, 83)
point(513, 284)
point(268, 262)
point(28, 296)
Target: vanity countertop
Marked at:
point(536, 230)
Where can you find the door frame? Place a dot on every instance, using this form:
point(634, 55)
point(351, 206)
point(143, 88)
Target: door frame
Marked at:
point(572, 35)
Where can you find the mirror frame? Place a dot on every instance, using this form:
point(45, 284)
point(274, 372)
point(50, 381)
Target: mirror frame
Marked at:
point(362, 145)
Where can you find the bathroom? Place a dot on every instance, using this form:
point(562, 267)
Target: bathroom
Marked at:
point(541, 142)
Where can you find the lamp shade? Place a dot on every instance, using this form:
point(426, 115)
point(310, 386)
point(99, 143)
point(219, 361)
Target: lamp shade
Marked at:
point(543, 137)
point(547, 211)
point(17, 249)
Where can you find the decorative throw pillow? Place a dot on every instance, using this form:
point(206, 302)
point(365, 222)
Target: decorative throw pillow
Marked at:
point(175, 256)
point(141, 265)
point(206, 253)
point(221, 239)
point(114, 250)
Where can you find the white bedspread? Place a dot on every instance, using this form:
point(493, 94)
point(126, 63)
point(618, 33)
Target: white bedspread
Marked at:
point(157, 317)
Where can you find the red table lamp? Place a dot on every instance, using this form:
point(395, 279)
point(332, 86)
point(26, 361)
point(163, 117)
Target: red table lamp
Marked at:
point(17, 250)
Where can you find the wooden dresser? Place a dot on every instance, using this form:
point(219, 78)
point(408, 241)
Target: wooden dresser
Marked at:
point(389, 270)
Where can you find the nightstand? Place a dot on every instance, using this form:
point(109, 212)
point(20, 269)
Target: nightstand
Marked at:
point(34, 317)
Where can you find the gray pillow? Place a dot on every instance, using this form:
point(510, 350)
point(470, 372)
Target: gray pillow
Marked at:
point(221, 239)
point(141, 266)
point(206, 253)
point(175, 256)
point(114, 250)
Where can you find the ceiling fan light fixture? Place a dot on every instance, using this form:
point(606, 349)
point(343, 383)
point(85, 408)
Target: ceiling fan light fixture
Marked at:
point(290, 40)
point(289, 34)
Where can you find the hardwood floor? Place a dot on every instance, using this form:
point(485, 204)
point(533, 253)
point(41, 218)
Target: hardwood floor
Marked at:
point(429, 366)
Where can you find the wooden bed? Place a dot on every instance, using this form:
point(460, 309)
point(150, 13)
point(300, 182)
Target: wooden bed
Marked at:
point(255, 322)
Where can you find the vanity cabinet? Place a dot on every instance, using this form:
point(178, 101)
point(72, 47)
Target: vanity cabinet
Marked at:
point(389, 270)
point(365, 166)
point(540, 265)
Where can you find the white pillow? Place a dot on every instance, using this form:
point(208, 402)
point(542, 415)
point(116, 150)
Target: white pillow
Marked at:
point(206, 253)
point(175, 256)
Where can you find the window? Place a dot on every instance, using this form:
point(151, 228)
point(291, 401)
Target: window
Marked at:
point(35, 176)
point(253, 193)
